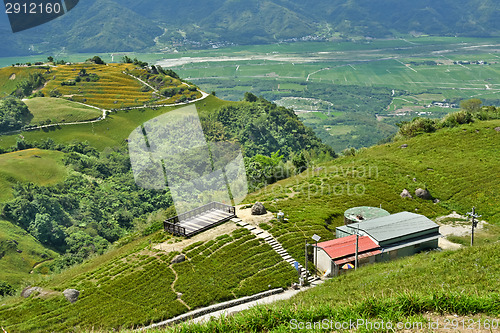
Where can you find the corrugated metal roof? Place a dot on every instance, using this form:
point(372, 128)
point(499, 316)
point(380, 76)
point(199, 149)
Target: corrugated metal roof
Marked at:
point(341, 247)
point(396, 225)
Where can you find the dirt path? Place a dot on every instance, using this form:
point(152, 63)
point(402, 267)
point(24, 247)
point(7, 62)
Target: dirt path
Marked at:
point(455, 224)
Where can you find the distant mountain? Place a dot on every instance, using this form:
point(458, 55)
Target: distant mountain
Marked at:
point(126, 25)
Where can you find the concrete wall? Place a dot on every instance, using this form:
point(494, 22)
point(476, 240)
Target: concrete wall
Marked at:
point(324, 262)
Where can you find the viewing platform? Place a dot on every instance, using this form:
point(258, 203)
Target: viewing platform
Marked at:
point(199, 219)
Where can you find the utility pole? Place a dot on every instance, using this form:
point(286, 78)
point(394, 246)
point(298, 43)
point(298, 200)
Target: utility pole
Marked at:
point(305, 278)
point(474, 223)
point(316, 239)
point(356, 253)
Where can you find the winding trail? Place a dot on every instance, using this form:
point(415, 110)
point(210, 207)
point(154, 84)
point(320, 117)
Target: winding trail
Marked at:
point(105, 112)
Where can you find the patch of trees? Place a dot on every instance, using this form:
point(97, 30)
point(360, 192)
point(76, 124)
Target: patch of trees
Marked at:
point(13, 114)
point(135, 61)
point(25, 87)
point(83, 215)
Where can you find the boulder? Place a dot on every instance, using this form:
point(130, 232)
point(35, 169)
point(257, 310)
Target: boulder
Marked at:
point(258, 209)
point(30, 290)
point(404, 146)
point(406, 194)
point(436, 201)
point(178, 259)
point(423, 194)
point(71, 295)
point(497, 129)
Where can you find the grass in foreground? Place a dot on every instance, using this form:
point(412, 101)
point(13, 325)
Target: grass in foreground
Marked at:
point(464, 282)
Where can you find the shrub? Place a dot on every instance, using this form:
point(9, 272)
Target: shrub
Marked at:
point(6, 289)
point(416, 126)
point(457, 118)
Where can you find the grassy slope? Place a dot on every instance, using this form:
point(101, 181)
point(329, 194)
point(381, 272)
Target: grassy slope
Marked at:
point(458, 166)
point(11, 76)
point(41, 167)
point(15, 267)
point(135, 285)
point(59, 110)
point(110, 132)
point(464, 282)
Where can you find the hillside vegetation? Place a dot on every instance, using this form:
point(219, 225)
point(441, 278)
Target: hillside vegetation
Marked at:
point(456, 165)
point(418, 289)
point(111, 26)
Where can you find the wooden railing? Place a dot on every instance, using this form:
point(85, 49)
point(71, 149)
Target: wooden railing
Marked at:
point(171, 224)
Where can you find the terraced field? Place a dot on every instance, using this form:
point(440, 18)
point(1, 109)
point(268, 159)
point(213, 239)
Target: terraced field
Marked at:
point(112, 90)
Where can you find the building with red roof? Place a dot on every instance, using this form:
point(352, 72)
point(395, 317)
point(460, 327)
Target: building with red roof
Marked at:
point(336, 255)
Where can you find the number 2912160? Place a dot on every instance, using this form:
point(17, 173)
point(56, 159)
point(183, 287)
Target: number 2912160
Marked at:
point(32, 8)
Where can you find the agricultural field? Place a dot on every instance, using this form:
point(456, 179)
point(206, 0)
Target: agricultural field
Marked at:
point(110, 132)
point(59, 110)
point(411, 73)
point(141, 279)
point(11, 76)
point(445, 287)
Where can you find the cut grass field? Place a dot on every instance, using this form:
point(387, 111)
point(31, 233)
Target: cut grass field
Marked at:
point(137, 285)
point(457, 165)
point(42, 167)
point(59, 110)
point(111, 132)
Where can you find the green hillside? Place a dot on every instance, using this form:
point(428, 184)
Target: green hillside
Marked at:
point(457, 165)
point(19, 255)
point(41, 167)
point(59, 110)
point(459, 285)
point(124, 26)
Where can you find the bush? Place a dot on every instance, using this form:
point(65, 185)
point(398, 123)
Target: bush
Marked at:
point(6, 289)
point(457, 118)
point(416, 126)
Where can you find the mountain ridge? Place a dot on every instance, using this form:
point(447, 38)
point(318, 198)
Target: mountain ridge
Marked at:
point(112, 26)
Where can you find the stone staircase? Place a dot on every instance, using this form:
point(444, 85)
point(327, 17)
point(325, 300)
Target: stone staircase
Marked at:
point(274, 244)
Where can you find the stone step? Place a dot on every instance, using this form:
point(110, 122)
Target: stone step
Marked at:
point(257, 232)
point(250, 227)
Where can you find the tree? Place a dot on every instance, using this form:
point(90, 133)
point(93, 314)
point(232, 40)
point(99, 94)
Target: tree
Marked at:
point(97, 60)
point(249, 97)
point(6, 289)
point(471, 105)
point(299, 162)
point(46, 230)
point(50, 59)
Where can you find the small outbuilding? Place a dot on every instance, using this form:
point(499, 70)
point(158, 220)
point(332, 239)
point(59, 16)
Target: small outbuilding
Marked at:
point(335, 256)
